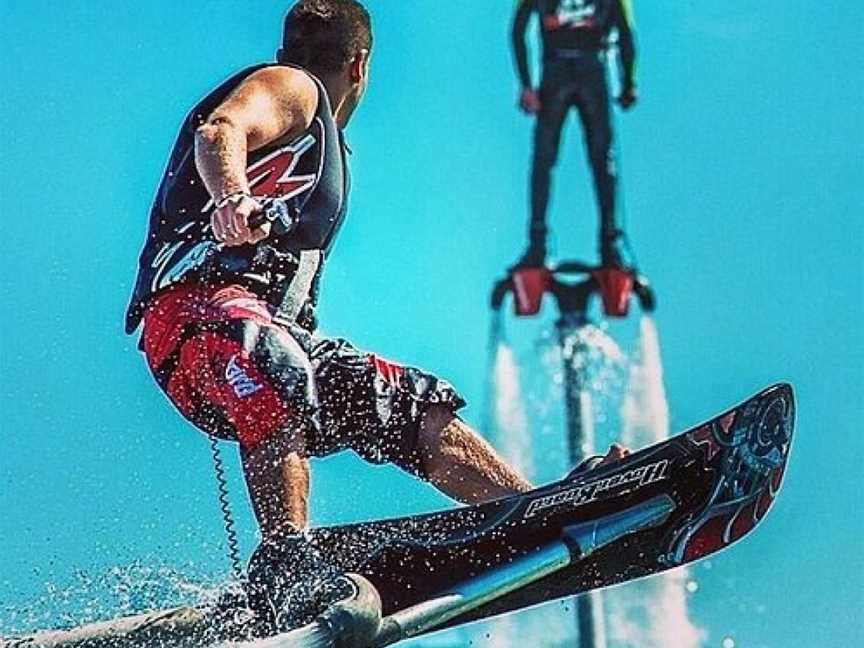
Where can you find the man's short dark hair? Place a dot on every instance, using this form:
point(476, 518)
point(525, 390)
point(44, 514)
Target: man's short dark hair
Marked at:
point(324, 35)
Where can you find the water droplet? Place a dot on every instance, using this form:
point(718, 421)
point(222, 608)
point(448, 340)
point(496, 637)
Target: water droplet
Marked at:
point(692, 586)
point(728, 642)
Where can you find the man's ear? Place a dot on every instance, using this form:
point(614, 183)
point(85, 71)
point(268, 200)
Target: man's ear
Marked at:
point(359, 66)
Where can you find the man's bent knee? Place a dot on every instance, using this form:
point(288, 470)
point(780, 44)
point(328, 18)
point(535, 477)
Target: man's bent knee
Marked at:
point(431, 440)
point(273, 447)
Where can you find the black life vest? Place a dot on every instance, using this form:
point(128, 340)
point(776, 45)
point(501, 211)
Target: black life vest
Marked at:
point(574, 24)
point(310, 174)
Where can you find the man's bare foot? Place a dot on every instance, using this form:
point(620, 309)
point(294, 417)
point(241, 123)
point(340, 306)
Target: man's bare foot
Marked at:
point(615, 453)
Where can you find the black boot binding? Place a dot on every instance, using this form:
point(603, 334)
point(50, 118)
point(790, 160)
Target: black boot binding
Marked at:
point(290, 583)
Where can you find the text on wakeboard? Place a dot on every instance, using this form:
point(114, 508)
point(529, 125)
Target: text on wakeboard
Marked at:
point(592, 491)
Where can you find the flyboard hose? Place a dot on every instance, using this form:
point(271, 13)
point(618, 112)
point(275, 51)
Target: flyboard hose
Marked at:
point(349, 623)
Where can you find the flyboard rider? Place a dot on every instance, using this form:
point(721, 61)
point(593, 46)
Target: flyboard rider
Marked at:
point(228, 304)
point(574, 36)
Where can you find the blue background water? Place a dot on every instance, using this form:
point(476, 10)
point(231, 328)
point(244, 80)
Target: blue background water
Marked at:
point(744, 191)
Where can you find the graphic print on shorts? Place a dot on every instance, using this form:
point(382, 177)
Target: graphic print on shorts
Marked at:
point(239, 379)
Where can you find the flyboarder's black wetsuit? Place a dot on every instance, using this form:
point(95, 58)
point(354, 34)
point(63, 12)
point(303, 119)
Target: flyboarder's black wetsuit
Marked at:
point(575, 37)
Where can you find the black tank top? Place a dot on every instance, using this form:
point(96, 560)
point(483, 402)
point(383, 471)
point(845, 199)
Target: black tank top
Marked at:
point(310, 174)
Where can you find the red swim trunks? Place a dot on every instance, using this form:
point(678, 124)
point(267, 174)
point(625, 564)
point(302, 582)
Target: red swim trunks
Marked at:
point(237, 374)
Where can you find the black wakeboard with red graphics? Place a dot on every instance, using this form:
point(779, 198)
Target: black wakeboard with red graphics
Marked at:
point(664, 506)
point(707, 488)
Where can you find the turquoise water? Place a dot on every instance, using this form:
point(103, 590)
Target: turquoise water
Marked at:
point(744, 192)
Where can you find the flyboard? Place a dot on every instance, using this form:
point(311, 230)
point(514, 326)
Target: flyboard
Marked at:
point(664, 506)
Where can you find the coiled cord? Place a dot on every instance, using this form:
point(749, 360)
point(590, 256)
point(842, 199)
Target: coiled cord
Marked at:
point(225, 507)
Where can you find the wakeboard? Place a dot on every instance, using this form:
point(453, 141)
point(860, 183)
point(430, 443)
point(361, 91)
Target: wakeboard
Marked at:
point(718, 481)
point(667, 505)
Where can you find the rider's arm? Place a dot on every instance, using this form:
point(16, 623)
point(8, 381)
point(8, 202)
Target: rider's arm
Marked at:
point(520, 49)
point(267, 105)
point(626, 47)
point(271, 104)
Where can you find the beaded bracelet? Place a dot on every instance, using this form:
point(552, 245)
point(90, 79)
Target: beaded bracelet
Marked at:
point(232, 197)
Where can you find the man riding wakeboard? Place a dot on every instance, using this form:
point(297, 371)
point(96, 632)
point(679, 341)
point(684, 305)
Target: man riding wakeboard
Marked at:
point(574, 35)
point(228, 303)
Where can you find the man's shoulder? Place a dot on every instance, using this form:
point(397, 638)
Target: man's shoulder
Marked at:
point(283, 77)
point(291, 89)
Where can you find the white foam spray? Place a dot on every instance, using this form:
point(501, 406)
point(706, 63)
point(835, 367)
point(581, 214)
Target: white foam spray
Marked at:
point(536, 450)
point(644, 411)
point(124, 589)
point(509, 426)
point(651, 613)
point(628, 405)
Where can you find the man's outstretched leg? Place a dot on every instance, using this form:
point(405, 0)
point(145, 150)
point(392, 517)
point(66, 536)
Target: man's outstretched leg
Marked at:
point(461, 464)
point(547, 138)
point(595, 113)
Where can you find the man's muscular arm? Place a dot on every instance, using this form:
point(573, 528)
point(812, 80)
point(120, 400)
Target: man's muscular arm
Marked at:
point(271, 104)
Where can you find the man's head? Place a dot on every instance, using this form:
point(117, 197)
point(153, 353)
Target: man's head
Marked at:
point(326, 36)
point(333, 40)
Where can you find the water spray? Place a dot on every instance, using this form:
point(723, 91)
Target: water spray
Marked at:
point(573, 284)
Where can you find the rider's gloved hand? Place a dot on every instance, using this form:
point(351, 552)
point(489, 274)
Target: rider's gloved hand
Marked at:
point(529, 101)
point(628, 97)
